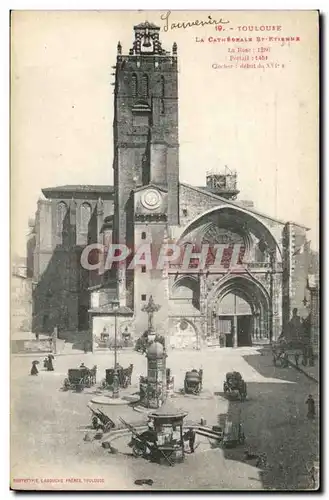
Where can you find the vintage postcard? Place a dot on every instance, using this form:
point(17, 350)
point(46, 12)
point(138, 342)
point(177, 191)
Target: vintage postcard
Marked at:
point(164, 250)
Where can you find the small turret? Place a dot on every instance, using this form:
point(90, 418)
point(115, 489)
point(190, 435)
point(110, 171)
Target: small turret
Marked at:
point(223, 183)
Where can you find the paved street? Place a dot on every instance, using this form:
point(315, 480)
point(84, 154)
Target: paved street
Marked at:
point(48, 425)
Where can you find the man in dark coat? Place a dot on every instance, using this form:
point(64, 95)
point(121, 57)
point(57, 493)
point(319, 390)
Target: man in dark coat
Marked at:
point(50, 366)
point(190, 436)
point(310, 406)
point(295, 327)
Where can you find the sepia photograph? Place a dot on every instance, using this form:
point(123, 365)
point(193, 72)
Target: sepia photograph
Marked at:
point(165, 290)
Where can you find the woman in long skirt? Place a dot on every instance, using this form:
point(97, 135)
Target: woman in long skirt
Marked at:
point(34, 369)
point(50, 366)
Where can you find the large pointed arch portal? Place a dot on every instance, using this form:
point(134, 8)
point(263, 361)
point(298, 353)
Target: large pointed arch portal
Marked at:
point(239, 311)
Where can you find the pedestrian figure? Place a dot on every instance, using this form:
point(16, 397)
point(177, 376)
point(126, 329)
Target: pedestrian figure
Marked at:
point(285, 360)
point(305, 353)
point(34, 369)
point(310, 356)
point(37, 336)
point(50, 366)
point(262, 461)
point(314, 476)
point(190, 436)
point(295, 327)
point(297, 359)
point(310, 406)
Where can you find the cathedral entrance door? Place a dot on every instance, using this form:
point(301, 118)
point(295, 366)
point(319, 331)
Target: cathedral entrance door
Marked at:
point(235, 320)
point(244, 302)
point(244, 325)
point(225, 329)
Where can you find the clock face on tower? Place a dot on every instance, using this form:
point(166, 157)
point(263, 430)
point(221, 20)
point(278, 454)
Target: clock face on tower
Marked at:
point(151, 199)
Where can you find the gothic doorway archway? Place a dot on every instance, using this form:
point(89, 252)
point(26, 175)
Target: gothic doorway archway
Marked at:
point(239, 312)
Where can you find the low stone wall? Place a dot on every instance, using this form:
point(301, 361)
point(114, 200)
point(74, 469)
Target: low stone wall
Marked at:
point(44, 345)
point(34, 346)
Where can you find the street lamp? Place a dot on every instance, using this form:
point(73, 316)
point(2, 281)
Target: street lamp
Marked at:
point(115, 307)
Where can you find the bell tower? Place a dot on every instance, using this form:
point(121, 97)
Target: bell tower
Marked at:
point(145, 125)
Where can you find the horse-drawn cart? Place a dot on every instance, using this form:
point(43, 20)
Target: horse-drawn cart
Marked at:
point(80, 378)
point(282, 351)
point(193, 382)
point(124, 376)
point(234, 384)
point(233, 434)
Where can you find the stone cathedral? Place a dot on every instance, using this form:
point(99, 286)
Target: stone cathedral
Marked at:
point(148, 204)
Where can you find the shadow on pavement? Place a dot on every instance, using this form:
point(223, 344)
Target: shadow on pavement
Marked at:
point(275, 424)
point(263, 364)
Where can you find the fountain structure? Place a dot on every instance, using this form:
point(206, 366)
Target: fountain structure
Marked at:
point(153, 387)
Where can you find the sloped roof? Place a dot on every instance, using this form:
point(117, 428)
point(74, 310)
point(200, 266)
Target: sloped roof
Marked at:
point(145, 25)
point(148, 186)
point(168, 410)
point(205, 191)
point(80, 188)
point(108, 309)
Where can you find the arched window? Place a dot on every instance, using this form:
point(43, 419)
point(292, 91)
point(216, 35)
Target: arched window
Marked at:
point(61, 211)
point(134, 85)
point(85, 214)
point(162, 86)
point(145, 86)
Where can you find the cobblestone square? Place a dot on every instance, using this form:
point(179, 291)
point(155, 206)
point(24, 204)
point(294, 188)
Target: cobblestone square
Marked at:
point(48, 426)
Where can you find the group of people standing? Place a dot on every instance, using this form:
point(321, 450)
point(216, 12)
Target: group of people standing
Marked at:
point(298, 334)
point(47, 364)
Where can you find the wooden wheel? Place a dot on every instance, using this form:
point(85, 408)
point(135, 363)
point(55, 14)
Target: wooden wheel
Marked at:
point(66, 384)
point(94, 422)
point(79, 387)
point(138, 452)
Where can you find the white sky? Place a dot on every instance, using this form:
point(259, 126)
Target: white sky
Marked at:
point(261, 123)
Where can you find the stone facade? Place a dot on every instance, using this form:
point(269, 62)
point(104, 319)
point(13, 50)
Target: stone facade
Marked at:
point(21, 298)
point(314, 289)
point(148, 205)
point(66, 221)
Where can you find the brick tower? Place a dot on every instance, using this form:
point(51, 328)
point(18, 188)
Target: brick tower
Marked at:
point(146, 164)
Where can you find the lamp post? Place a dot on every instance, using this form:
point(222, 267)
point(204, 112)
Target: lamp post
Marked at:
point(115, 307)
point(150, 309)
